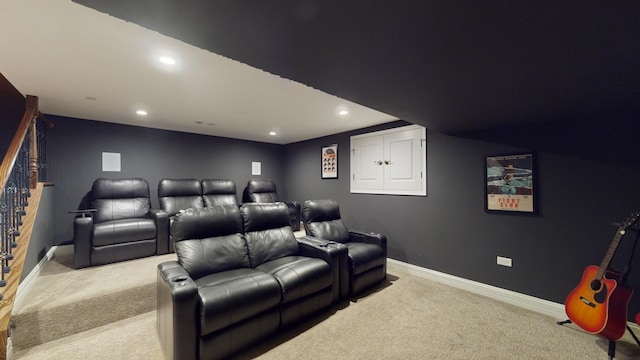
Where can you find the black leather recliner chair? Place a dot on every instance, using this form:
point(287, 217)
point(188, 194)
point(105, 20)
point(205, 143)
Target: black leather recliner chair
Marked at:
point(367, 252)
point(264, 191)
point(240, 276)
point(122, 225)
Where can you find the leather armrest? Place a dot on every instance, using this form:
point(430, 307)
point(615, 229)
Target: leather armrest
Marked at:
point(335, 254)
point(369, 238)
point(161, 219)
point(82, 229)
point(177, 312)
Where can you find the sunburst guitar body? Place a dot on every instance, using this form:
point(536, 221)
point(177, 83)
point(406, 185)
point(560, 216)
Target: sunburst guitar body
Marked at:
point(599, 306)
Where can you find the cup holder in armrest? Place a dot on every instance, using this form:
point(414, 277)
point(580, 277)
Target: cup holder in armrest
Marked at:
point(328, 243)
point(180, 279)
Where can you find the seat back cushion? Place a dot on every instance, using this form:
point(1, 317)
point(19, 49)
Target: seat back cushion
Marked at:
point(268, 232)
point(260, 191)
point(120, 199)
point(179, 194)
point(321, 219)
point(219, 192)
point(210, 240)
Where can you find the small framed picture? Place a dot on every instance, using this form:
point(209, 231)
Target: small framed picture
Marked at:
point(329, 168)
point(511, 183)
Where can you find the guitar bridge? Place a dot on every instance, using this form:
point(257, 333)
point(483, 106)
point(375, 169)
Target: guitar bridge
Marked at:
point(587, 302)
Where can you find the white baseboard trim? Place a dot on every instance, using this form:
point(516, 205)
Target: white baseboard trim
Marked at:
point(29, 280)
point(528, 302)
point(511, 297)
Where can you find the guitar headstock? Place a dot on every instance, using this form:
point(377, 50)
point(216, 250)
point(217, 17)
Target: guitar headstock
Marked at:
point(630, 221)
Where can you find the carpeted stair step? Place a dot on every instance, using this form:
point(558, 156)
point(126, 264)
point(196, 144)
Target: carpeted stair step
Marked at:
point(131, 338)
point(64, 301)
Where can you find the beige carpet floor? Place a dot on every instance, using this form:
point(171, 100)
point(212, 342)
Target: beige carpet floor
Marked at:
point(406, 318)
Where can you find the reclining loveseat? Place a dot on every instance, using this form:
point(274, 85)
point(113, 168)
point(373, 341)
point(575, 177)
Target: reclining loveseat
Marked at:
point(240, 276)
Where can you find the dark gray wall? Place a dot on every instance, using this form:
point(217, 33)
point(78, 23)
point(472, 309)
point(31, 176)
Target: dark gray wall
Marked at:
point(449, 231)
point(75, 161)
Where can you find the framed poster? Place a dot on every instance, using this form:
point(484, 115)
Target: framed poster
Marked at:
point(329, 166)
point(511, 183)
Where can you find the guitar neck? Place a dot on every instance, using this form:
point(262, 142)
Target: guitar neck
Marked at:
point(610, 252)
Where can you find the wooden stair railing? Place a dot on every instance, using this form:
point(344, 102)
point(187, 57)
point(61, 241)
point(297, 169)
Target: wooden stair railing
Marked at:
point(18, 177)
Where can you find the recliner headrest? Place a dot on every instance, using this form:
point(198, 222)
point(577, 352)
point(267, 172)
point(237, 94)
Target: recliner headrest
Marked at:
point(261, 186)
point(179, 187)
point(206, 223)
point(218, 186)
point(320, 210)
point(120, 188)
point(261, 216)
point(219, 192)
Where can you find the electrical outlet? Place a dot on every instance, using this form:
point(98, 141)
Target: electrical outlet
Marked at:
point(504, 261)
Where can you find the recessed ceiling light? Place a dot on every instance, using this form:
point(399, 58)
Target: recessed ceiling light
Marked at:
point(343, 112)
point(167, 60)
point(205, 123)
point(141, 112)
point(272, 133)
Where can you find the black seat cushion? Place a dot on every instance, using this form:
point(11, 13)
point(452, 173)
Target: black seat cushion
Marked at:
point(123, 231)
point(299, 276)
point(229, 297)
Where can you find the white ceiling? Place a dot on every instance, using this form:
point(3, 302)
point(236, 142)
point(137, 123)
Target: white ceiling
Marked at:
point(85, 64)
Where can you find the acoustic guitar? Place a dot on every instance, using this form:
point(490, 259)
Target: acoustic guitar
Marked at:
point(599, 303)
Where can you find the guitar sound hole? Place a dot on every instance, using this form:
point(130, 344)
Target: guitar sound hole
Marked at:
point(601, 296)
point(595, 285)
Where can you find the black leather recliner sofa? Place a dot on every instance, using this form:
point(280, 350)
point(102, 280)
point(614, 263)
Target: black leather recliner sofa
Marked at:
point(122, 225)
point(240, 276)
